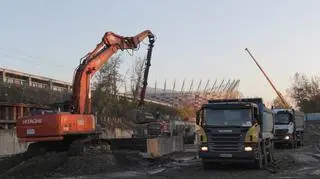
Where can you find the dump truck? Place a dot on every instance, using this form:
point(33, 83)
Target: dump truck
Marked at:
point(289, 127)
point(235, 130)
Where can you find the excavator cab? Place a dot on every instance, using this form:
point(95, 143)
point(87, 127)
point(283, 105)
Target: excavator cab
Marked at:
point(55, 108)
point(42, 112)
point(61, 107)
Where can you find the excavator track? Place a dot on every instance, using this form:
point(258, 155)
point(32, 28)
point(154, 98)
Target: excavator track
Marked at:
point(41, 148)
point(74, 145)
point(88, 145)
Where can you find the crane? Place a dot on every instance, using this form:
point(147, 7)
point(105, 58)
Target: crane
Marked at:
point(283, 101)
point(58, 130)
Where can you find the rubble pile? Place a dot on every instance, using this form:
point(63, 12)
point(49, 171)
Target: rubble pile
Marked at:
point(312, 134)
point(88, 164)
point(284, 161)
point(36, 167)
point(95, 159)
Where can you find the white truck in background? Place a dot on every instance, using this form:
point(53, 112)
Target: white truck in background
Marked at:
point(289, 127)
point(289, 124)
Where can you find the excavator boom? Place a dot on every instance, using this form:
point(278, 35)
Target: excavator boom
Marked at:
point(111, 43)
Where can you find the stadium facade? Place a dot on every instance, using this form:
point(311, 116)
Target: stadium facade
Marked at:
point(187, 96)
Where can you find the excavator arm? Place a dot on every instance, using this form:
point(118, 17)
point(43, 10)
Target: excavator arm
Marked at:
point(93, 61)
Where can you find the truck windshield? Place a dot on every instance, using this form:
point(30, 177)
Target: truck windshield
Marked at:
point(282, 118)
point(225, 117)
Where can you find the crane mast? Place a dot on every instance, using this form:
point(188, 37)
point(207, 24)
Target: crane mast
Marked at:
point(283, 101)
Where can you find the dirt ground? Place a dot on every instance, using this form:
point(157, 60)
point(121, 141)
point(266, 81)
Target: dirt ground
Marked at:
point(303, 162)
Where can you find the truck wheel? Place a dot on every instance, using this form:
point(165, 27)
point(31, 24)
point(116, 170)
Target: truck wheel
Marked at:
point(265, 154)
point(206, 165)
point(291, 145)
point(270, 153)
point(258, 163)
point(302, 140)
point(295, 142)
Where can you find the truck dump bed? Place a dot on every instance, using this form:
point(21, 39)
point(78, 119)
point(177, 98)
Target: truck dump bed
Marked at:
point(300, 121)
point(257, 101)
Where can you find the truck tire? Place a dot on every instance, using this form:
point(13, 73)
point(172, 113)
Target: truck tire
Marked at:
point(294, 142)
point(302, 140)
point(258, 163)
point(206, 165)
point(270, 153)
point(265, 154)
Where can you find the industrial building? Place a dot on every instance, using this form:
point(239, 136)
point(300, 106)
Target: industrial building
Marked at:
point(26, 79)
point(14, 105)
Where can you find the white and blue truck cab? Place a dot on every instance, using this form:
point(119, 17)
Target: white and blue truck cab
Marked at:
point(289, 127)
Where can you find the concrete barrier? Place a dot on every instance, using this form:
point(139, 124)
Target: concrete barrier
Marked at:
point(9, 143)
point(116, 133)
point(156, 147)
point(160, 146)
point(136, 144)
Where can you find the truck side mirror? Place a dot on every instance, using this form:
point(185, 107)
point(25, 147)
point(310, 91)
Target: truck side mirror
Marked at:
point(256, 117)
point(198, 117)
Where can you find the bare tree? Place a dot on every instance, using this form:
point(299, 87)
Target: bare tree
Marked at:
point(136, 76)
point(306, 92)
point(276, 103)
point(106, 88)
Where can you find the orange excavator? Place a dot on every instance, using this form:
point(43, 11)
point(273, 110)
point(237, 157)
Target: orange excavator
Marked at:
point(55, 130)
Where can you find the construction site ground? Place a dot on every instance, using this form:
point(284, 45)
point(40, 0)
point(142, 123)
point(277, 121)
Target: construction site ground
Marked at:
point(99, 162)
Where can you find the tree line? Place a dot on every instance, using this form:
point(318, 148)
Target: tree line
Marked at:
point(305, 93)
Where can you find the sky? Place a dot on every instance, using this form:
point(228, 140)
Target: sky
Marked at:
point(202, 39)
